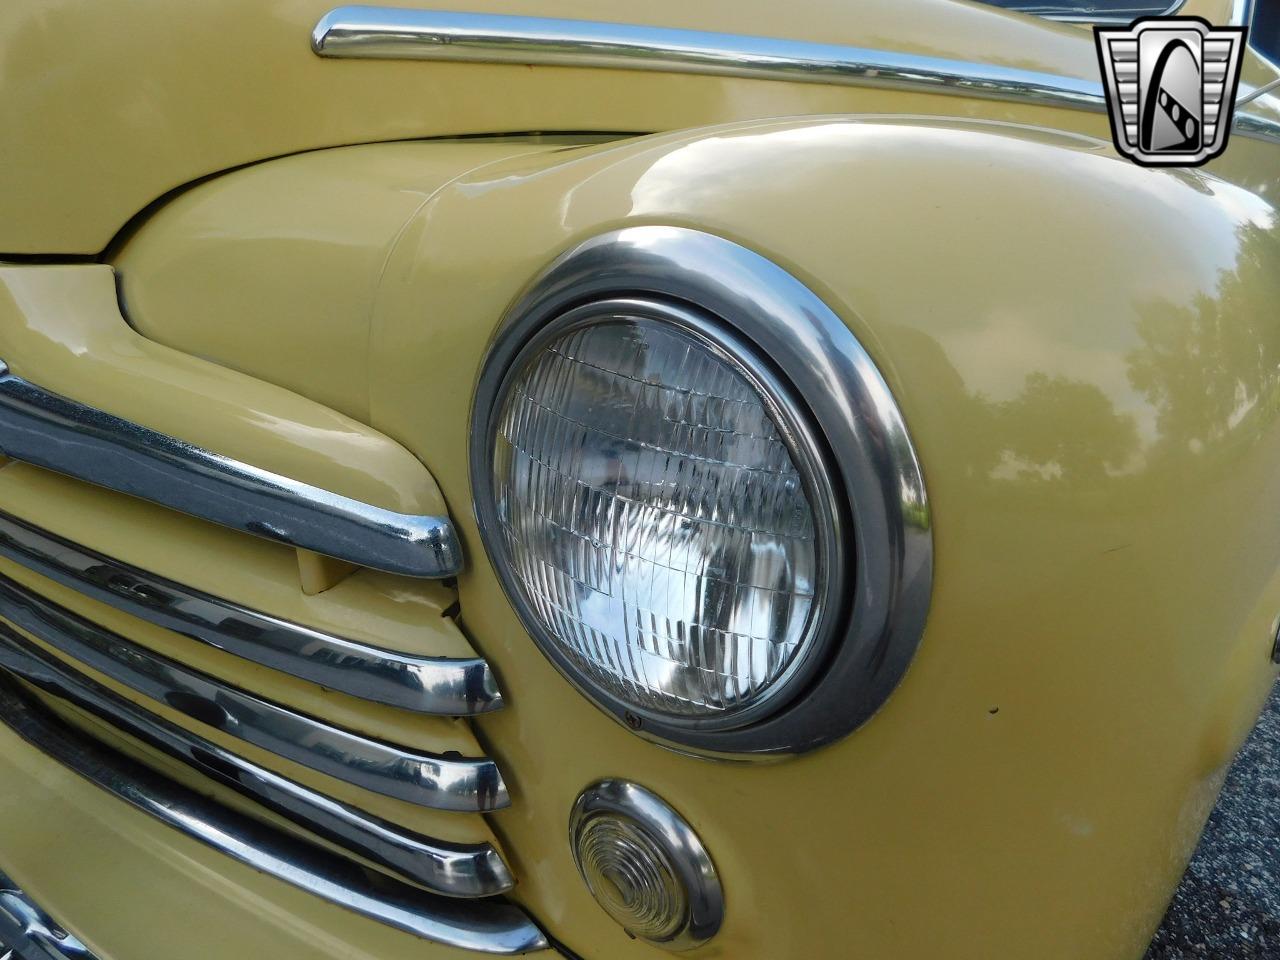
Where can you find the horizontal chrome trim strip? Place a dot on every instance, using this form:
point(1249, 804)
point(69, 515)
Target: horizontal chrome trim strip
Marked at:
point(393, 771)
point(1257, 92)
point(483, 926)
point(1058, 12)
point(390, 33)
point(52, 431)
point(28, 933)
point(1258, 127)
point(435, 685)
point(450, 869)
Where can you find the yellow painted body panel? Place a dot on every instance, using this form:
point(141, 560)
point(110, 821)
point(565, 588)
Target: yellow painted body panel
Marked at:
point(147, 99)
point(369, 606)
point(300, 271)
point(60, 327)
point(261, 575)
point(135, 891)
point(1085, 352)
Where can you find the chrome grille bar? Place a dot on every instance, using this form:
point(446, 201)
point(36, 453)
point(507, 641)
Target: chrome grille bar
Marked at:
point(436, 685)
point(483, 926)
point(28, 933)
point(52, 431)
point(450, 869)
point(421, 778)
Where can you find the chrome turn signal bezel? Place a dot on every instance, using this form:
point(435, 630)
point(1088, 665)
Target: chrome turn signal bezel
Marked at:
point(679, 845)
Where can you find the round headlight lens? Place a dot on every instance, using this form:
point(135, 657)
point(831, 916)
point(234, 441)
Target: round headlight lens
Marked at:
point(662, 510)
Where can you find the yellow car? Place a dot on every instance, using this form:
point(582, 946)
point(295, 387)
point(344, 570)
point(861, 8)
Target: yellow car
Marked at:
point(762, 481)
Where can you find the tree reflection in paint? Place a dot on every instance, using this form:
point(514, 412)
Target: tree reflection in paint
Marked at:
point(1059, 428)
point(1207, 366)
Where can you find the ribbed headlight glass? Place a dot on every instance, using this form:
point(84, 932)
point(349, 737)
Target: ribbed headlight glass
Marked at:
point(658, 517)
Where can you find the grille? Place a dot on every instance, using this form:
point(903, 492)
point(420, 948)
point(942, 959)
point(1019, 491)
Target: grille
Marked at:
point(51, 656)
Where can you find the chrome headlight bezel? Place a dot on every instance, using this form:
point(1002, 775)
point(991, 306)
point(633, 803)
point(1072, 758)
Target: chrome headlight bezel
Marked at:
point(846, 436)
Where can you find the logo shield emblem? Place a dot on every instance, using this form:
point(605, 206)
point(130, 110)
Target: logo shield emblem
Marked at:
point(1171, 88)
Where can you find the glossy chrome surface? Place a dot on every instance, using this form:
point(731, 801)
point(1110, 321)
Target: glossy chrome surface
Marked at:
point(454, 870)
point(683, 852)
point(1257, 92)
point(488, 926)
point(1258, 127)
point(60, 434)
point(421, 778)
point(689, 521)
point(1079, 12)
point(398, 34)
point(28, 933)
point(875, 471)
point(450, 687)
point(391, 33)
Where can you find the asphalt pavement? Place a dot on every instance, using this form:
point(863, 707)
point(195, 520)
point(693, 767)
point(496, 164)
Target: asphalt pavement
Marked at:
point(1228, 906)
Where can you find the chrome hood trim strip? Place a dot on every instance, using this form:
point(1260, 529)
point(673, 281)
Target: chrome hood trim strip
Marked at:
point(421, 778)
point(391, 33)
point(483, 926)
point(52, 431)
point(28, 933)
point(435, 685)
point(449, 869)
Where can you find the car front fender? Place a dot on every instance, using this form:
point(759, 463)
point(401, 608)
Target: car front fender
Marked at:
point(1085, 353)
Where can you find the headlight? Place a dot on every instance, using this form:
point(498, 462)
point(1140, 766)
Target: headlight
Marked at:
point(661, 495)
point(664, 513)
